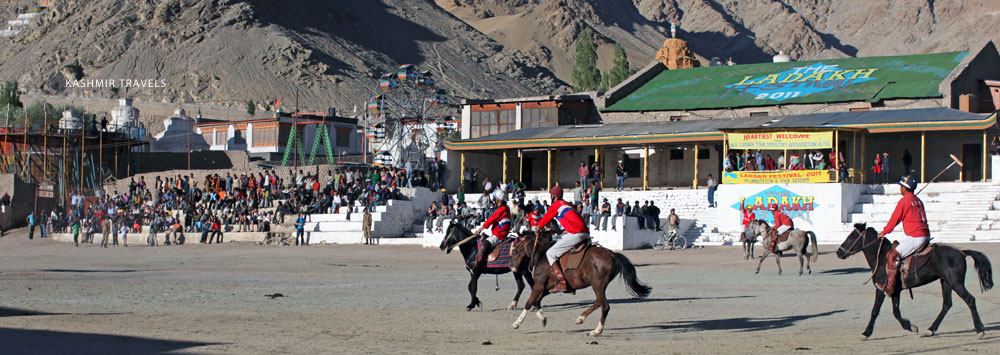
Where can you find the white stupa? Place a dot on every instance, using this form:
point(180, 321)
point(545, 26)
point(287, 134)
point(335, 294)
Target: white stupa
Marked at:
point(69, 121)
point(176, 132)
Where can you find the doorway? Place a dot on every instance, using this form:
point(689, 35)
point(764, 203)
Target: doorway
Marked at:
point(972, 159)
point(526, 169)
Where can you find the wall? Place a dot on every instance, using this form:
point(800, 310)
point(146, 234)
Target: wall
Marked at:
point(828, 201)
point(782, 110)
point(980, 64)
point(22, 201)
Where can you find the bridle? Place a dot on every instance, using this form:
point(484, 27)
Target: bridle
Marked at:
point(862, 236)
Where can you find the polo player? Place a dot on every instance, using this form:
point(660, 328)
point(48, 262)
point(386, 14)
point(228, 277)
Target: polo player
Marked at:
point(575, 232)
point(499, 222)
point(909, 211)
point(782, 224)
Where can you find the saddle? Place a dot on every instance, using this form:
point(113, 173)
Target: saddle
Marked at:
point(574, 257)
point(499, 256)
point(910, 265)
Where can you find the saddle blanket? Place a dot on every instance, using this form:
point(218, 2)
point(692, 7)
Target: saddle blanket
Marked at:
point(500, 255)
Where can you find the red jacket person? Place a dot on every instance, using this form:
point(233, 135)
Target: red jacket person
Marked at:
point(499, 224)
point(910, 212)
point(575, 231)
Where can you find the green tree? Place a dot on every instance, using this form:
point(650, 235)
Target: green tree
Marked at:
point(620, 71)
point(251, 108)
point(9, 95)
point(586, 76)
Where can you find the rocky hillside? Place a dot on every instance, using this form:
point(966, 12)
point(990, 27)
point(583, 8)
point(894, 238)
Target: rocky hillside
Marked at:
point(748, 31)
point(224, 52)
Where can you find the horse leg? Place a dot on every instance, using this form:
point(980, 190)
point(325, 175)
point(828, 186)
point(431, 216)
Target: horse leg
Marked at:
point(971, 302)
point(899, 316)
point(473, 284)
point(777, 259)
point(583, 316)
point(599, 290)
point(520, 287)
point(746, 250)
point(879, 298)
point(761, 261)
point(535, 297)
point(945, 306)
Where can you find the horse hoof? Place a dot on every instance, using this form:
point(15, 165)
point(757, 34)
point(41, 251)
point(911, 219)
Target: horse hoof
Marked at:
point(982, 334)
point(593, 333)
point(514, 326)
point(512, 306)
point(864, 337)
point(928, 334)
point(469, 308)
point(914, 329)
point(580, 320)
point(756, 272)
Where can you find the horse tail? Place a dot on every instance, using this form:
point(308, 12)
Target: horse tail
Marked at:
point(813, 246)
point(983, 267)
point(624, 266)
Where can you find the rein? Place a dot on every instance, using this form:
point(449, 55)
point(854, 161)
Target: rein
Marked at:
point(850, 251)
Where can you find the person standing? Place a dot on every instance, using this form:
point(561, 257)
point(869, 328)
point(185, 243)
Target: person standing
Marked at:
point(595, 191)
point(300, 229)
point(105, 230)
point(711, 190)
point(907, 162)
point(877, 168)
point(42, 223)
point(366, 226)
point(620, 176)
point(32, 222)
point(885, 168)
point(409, 172)
point(584, 172)
point(596, 171)
point(76, 233)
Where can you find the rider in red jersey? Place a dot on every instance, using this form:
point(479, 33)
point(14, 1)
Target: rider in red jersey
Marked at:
point(782, 224)
point(910, 212)
point(500, 223)
point(574, 228)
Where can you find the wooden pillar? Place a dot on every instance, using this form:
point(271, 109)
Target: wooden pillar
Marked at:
point(961, 155)
point(100, 158)
point(45, 143)
point(984, 156)
point(520, 166)
point(461, 176)
point(854, 151)
point(504, 167)
point(862, 165)
point(548, 171)
point(557, 166)
point(788, 159)
point(645, 168)
point(725, 146)
point(597, 160)
point(83, 130)
point(836, 152)
point(923, 155)
point(694, 183)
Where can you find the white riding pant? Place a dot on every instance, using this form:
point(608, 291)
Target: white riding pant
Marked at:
point(491, 238)
point(564, 245)
point(782, 229)
point(909, 245)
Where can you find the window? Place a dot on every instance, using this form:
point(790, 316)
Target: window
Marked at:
point(221, 135)
point(265, 134)
point(758, 114)
point(856, 109)
point(207, 134)
point(538, 117)
point(704, 153)
point(343, 137)
point(676, 118)
point(677, 154)
point(485, 123)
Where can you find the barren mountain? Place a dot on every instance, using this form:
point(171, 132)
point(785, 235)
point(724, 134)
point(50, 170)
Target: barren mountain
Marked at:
point(748, 31)
point(224, 52)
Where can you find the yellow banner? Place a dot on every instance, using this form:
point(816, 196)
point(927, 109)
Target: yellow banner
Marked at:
point(783, 177)
point(780, 140)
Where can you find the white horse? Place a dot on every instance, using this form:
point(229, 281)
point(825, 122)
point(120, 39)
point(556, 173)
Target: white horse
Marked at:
point(797, 239)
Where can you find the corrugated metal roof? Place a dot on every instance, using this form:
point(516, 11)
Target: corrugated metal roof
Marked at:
point(856, 118)
point(805, 82)
point(626, 129)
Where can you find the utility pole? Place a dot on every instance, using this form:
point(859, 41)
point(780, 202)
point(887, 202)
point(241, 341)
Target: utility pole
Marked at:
point(45, 143)
point(189, 133)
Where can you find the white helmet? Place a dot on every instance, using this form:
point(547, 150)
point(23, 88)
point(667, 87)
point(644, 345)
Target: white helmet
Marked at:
point(498, 195)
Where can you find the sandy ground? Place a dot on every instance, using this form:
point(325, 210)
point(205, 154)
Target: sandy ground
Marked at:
point(389, 299)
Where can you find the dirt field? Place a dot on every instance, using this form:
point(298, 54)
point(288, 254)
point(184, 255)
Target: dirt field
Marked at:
point(362, 299)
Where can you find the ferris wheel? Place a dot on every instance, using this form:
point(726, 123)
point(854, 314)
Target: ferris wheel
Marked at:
point(410, 114)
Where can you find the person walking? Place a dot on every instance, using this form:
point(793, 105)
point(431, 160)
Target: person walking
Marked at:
point(300, 230)
point(620, 176)
point(711, 190)
point(32, 222)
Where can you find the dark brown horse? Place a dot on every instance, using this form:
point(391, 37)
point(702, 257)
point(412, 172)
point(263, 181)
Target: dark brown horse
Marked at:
point(455, 234)
point(946, 263)
point(598, 268)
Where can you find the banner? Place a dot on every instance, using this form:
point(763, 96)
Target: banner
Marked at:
point(780, 140)
point(783, 177)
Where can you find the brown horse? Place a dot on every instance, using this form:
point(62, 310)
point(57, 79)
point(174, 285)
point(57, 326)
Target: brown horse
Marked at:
point(598, 268)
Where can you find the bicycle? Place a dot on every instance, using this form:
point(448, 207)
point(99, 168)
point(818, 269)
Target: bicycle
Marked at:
point(672, 240)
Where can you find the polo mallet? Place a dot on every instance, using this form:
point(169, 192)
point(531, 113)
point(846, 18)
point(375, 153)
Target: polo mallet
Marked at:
point(954, 161)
